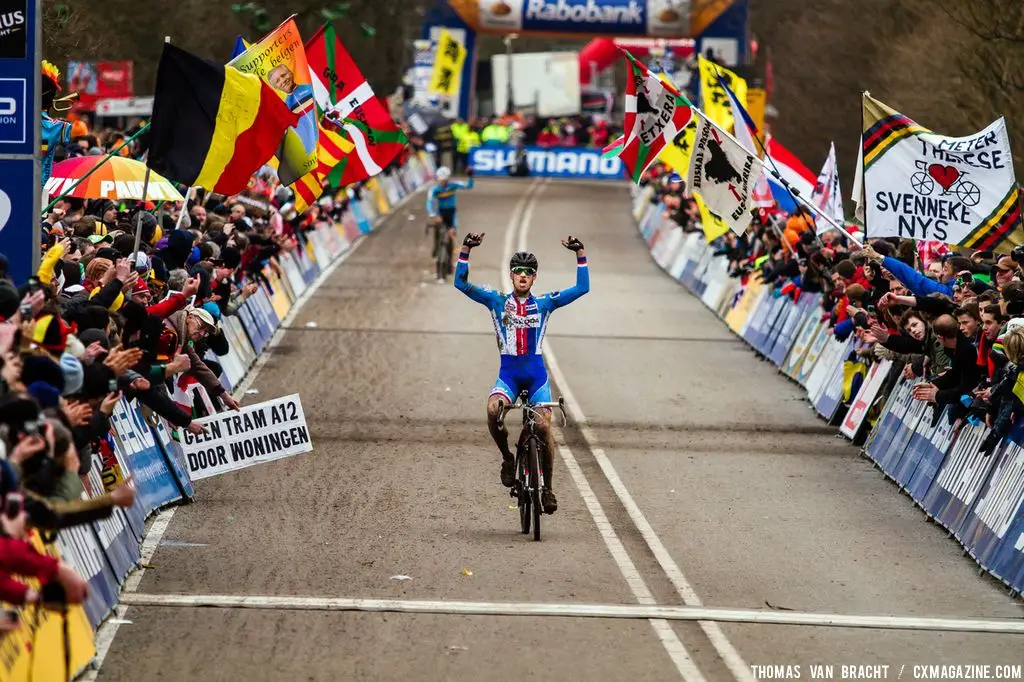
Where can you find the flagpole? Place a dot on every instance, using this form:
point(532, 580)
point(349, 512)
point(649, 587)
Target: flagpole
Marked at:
point(92, 170)
point(138, 216)
point(860, 155)
point(795, 193)
point(792, 191)
point(184, 207)
point(726, 133)
point(145, 195)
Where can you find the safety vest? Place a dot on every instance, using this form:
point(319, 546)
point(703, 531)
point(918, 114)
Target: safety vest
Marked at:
point(459, 131)
point(468, 141)
point(494, 133)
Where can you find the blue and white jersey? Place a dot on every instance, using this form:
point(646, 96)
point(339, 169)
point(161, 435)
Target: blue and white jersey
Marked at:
point(443, 198)
point(520, 323)
point(53, 133)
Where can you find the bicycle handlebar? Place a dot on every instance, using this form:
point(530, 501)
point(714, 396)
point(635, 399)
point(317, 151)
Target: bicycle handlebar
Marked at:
point(518, 405)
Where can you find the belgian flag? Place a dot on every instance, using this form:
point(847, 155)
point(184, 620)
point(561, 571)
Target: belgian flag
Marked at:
point(213, 126)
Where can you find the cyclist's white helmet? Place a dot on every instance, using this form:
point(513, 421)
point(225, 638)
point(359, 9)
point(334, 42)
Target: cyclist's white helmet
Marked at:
point(443, 173)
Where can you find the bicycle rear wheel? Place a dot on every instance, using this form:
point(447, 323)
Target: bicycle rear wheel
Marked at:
point(523, 492)
point(535, 480)
point(441, 257)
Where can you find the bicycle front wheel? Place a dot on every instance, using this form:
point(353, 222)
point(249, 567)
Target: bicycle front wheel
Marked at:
point(441, 257)
point(535, 480)
point(523, 492)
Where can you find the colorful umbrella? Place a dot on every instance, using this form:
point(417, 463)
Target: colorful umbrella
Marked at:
point(117, 179)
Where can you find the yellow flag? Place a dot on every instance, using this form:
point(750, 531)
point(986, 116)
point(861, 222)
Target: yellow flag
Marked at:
point(714, 100)
point(447, 66)
point(677, 154)
point(757, 101)
point(714, 227)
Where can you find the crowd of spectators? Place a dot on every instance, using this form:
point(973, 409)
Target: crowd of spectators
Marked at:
point(952, 321)
point(527, 130)
point(102, 320)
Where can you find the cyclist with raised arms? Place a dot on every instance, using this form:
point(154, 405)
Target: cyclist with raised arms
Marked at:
point(441, 200)
point(520, 320)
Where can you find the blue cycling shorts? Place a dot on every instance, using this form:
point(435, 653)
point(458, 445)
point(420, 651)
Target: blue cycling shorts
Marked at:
point(449, 218)
point(523, 373)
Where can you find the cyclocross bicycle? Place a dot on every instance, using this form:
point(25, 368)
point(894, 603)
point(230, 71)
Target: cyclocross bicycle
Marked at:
point(529, 453)
point(442, 248)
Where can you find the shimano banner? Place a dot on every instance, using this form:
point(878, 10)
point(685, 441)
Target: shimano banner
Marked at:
point(585, 164)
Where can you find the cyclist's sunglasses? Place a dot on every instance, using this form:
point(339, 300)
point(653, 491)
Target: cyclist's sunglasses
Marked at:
point(529, 272)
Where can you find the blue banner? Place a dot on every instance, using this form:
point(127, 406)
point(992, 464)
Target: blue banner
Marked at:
point(1008, 563)
point(154, 482)
point(558, 162)
point(175, 456)
point(889, 424)
point(927, 447)
point(255, 331)
point(960, 480)
point(360, 215)
point(20, 184)
point(603, 17)
point(896, 448)
point(987, 526)
point(80, 548)
point(17, 233)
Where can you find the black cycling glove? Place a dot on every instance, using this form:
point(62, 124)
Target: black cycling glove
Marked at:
point(472, 240)
point(573, 244)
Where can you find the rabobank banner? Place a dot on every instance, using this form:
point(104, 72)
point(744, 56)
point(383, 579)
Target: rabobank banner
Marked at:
point(562, 162)
point(656, 18)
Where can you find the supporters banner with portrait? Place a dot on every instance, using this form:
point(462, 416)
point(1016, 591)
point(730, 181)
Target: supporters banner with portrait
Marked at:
point(279, 58)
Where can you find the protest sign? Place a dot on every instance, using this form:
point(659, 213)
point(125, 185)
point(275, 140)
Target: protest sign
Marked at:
point(260, 433)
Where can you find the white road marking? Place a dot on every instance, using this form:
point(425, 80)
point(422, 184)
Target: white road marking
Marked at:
point(109, 627)
point(669, 639)
point(619, 611)
point(676, 651)
point(728, 653)
point(513, 221)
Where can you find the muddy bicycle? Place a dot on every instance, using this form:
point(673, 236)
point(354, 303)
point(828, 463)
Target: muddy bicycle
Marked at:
point(442, 250)
point(529, 455)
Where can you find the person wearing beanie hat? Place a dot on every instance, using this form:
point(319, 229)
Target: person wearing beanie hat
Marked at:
point(74, 346)
point(108, 253)
point(47, 395)
point(95, 335)
point(94, 271)
point(212, 308)
point(42, 368)
point(17, 410)
point(141, 293)
point(158, 275)
point(178, 249)
point(230, 257)
point(73, 372)
point(51, 334)
point(9, 299)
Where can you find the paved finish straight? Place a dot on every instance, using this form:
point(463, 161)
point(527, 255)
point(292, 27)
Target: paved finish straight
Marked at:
point(756, 502)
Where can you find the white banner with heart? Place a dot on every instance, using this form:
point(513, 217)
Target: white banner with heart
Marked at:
point(924, 186)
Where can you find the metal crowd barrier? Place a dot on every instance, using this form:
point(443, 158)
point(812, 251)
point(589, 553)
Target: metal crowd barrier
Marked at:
point(140, 444)
point(979, 499)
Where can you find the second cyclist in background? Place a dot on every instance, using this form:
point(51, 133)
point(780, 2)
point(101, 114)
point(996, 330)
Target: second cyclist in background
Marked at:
point(441, 202)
